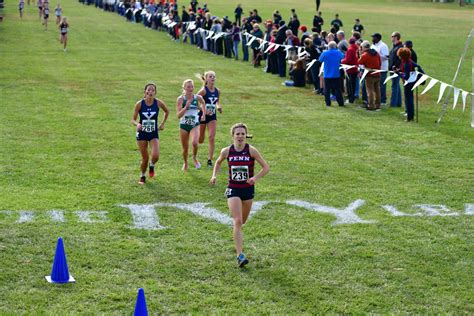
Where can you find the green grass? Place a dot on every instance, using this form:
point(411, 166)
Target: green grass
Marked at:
point(66, 143)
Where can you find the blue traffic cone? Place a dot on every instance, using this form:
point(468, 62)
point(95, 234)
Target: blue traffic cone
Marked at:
point(140, 306)
point(60, 272)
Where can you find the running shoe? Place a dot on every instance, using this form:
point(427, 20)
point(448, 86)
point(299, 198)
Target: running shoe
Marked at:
point(142, 180)
point(242, 261)
point(152, 171)
point(209, 163)
point(197, 165)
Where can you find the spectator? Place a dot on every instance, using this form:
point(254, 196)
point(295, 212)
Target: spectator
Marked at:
point(332, 61)
point(257, 56)
point(305, 34)
point(370, 59)
point(281, 54)
point(407, 72)
point(351, 60)
point(342, 44)
point(194, 4)
point(297, 75)
point(409, 44)
point(294, 24)
point(291, 39)
point(383, 51)
point(318, 22)
point(336, 23)
point(276, 17)
point(257, 17)
point(272, 63)
point(247, 28)
point(394, 65)
point(228, 42)
point(238, 14)
point(313, 55)
point(358, 27)
point(236, 37)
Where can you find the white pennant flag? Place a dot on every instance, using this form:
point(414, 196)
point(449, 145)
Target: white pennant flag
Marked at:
point(420, 81)
point(287, 53)
point(321, 70)
point(390, 77)
point(173, 24)
point(300, 49)
point(412, 78)
point(441, 90)
point(302, 54)
point(209, 35)
point(308, 67)
point(269, 47)
point(251, 40)
point(287, 47)
point(456, 96)
point(277, 46)
point(363, 75)
point(430, 85)
point(464, 96)
point(376, 71)
point(263, 42)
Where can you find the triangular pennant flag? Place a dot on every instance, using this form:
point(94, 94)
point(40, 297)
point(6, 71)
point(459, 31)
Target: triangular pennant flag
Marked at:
point(321, 70)
point(251, 40)
point(209, 34)
point(287, 54)
point(430, 85)
point(441, 90)
point(464, 96)
point(420, 81)
point(390, 77)
point(269, 47)
point(456, 96)
point(300, 49)
point(412, 78)
point(363, 75)
point(262, 43)
point(308, 67)
point(302, 54)
point(377, 71)
point(277, 46)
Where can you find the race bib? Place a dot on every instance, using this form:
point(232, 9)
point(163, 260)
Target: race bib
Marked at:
point(239, 173)
point(148, 126)
point(210, 109)
point(189, 120)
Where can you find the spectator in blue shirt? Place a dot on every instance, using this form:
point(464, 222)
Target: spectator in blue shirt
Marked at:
point(332, 61)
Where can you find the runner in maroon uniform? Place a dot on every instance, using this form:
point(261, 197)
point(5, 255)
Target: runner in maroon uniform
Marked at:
point(240, 190)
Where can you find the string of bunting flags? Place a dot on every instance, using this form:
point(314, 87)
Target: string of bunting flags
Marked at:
point(415, 76)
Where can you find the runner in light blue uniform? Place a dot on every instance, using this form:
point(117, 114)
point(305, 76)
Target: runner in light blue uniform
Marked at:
point(188, 106)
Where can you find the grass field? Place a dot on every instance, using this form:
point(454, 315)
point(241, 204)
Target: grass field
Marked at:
point(66, 143)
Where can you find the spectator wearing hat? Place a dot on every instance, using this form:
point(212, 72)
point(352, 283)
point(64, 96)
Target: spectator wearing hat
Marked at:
point(318, 22)
point(358, 27)
point(332, 61)
point(393, 65)
point(281, 54)
point(351, 60)
point(238, 14)
point(383, 51)
point(409, 44)
point(370, 59)
point(305, 34)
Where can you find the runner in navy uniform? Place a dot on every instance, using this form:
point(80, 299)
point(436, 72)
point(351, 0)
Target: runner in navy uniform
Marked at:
point(147, 111)
point(211, 96)
point(64, 28)
point(240, 190)
point(188, 106)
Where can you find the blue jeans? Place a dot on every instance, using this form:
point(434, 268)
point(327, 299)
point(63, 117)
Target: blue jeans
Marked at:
point(236, 49)
point(396, 97)
point(245, 48)
point(383, 88)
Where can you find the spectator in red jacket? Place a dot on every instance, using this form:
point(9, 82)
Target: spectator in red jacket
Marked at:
point(370, 59)
point(351, 60)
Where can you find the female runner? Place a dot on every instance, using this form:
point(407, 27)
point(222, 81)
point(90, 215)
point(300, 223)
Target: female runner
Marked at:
point(211, 96)
point(188, 106)
point(240, 189)
point(147, 110)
